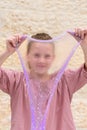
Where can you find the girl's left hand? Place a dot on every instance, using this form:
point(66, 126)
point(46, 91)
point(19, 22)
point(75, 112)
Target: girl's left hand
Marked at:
point(83, 36)
point(81, 33)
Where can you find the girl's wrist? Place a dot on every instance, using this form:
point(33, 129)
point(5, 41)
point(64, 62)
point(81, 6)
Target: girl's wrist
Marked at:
point(7, 53)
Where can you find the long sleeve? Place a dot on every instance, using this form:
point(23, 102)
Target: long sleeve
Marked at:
point(75, 79)
point(9, 80)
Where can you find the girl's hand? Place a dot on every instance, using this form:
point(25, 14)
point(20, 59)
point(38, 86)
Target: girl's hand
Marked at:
point(13, 42)
point(81, 33)
point(84, 45)
point(83, 36)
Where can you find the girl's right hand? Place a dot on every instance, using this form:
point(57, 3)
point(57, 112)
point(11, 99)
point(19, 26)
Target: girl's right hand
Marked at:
point(14, 42)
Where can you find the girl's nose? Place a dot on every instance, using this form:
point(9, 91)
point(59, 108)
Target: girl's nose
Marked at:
point(42, 60)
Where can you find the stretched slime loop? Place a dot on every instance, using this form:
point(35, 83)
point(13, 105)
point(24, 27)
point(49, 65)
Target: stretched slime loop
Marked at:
point(42, 125)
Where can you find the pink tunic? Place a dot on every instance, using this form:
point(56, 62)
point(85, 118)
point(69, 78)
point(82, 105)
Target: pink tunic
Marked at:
point(59, 115)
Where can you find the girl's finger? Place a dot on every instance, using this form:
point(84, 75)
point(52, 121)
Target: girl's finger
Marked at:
point(77, 32)
point(82, 35)
point(12, 41)
point(19, 38)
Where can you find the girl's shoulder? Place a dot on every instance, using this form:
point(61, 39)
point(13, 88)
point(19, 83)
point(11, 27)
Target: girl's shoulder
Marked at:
point(10, 72)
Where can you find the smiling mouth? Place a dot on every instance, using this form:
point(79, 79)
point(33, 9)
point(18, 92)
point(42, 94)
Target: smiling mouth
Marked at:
point(41, 66)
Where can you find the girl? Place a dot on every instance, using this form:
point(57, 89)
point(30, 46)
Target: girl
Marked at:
point(39, 58)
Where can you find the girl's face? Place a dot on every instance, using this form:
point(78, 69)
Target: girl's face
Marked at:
point(40, 57)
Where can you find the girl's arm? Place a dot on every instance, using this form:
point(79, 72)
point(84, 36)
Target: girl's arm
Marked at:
point(9, 79)
point(3, 57)
point(75, 79)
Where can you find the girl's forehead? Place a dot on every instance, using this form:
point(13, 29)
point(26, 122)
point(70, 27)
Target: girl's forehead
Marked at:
point(42, 46)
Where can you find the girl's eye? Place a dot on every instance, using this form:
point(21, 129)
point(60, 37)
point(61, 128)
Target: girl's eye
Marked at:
point(37, 55)
point(47, 56)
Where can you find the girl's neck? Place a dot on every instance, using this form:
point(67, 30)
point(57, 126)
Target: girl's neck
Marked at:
point(40, 77)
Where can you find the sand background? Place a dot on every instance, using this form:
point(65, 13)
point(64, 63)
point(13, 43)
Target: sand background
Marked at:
point(50, 16)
